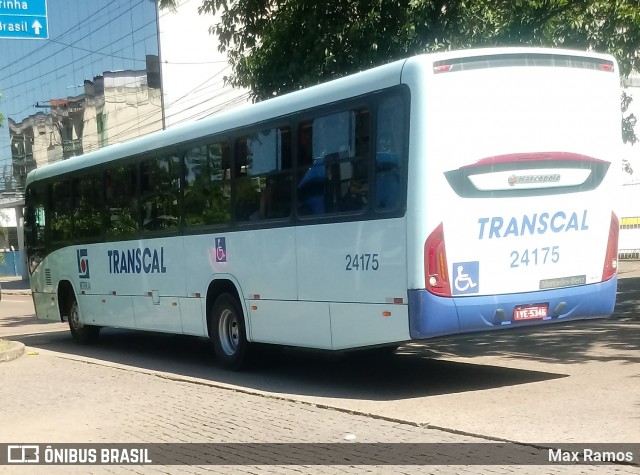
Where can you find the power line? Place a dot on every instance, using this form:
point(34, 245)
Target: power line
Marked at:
point(75, 62)
point(47, 44)
point(141, 119)
point(217, 108)
point(84, 22)
point(91, 33)
point(200, 89)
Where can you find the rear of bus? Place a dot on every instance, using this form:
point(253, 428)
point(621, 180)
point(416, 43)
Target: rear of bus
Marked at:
point(514, 160)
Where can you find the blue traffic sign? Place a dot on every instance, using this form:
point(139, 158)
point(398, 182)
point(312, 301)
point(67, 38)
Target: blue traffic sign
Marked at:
point(23, 19)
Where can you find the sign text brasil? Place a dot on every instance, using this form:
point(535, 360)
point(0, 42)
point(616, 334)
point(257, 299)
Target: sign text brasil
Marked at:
point(23, 19)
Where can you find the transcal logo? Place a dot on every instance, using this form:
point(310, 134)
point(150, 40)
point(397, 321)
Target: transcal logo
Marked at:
point(83, 263)
point(531, 224)
point(137, 261)
point(529, 179)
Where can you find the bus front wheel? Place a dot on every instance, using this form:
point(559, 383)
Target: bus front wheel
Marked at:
point(227, 332)
point(83, 334)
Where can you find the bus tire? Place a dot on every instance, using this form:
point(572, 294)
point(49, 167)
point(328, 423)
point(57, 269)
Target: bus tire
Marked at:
point(83, 334)
point(227, 333)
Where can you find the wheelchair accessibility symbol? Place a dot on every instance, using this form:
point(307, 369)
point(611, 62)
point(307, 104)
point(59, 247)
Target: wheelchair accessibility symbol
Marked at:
point(466, 278)
point(221, 249)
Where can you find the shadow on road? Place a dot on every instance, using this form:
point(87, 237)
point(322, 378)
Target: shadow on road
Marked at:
point(628, 299)
point(416, 370)
point(17, 321)
point(406, 374)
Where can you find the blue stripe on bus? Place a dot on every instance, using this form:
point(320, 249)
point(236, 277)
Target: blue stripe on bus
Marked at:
point(431, 316)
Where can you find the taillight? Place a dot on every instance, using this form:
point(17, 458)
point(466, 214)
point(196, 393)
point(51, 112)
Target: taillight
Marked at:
point(442, 68)
point(435, 264)
point(611, 258)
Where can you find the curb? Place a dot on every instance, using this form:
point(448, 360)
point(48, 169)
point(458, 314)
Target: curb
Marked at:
point(15, 351)
point(15, 292)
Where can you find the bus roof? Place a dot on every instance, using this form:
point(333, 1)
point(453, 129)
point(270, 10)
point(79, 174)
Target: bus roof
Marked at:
point(339, 89)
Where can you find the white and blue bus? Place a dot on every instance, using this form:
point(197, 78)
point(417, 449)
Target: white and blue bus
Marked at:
point(443, 194)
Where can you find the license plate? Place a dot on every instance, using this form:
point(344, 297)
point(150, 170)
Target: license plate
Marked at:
point(530, 312)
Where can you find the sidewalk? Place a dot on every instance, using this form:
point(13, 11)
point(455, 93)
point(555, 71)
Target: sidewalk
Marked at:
point(12, 285)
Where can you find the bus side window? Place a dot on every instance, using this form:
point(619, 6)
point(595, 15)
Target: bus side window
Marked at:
point(120, 185)
point(159, 193)
point(333, 171)
point(34, 218)
point(60, 213)
point(207, 193)
point(390, 135)
point(87, 201)
point(263, 175)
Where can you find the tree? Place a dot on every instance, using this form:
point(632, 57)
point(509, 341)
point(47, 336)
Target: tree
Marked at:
point(277, 46)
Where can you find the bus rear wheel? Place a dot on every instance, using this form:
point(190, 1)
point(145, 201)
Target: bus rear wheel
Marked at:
point(227, 333)
point(83, 334)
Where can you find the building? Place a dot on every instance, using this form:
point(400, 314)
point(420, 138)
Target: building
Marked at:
point(108, 73)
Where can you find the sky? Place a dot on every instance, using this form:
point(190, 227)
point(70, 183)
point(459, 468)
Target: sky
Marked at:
point(86, 38)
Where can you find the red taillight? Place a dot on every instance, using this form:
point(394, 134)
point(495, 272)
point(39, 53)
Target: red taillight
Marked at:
point(442, 68)
point(435, 264)
point(611, 258)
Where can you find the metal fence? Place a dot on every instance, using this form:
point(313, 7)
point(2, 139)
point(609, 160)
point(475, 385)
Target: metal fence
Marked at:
point(13, 263)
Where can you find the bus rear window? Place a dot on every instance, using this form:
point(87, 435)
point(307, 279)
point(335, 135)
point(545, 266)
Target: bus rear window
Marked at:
point(511, 60)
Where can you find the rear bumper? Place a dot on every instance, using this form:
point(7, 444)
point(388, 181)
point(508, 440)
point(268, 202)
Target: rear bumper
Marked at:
point(431, 316)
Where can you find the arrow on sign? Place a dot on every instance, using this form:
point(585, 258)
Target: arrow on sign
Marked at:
point(36, 27)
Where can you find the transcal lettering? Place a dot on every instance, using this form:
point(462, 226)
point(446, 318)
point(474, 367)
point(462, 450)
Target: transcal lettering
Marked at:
point(538, 223)
point(137, 261)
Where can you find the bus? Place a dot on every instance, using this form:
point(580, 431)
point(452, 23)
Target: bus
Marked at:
point(446, 193)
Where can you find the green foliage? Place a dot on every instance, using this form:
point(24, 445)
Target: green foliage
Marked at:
point(122, 222)
point(628, 122)
point(276, 46)
point(61, 227)
point(167, 4)
point(206, 203)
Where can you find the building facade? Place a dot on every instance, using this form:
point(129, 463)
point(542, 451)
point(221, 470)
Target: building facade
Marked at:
point(109, 72)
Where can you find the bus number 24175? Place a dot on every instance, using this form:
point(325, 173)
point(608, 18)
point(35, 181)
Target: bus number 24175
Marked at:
point(362, 262)
point(535, 257)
